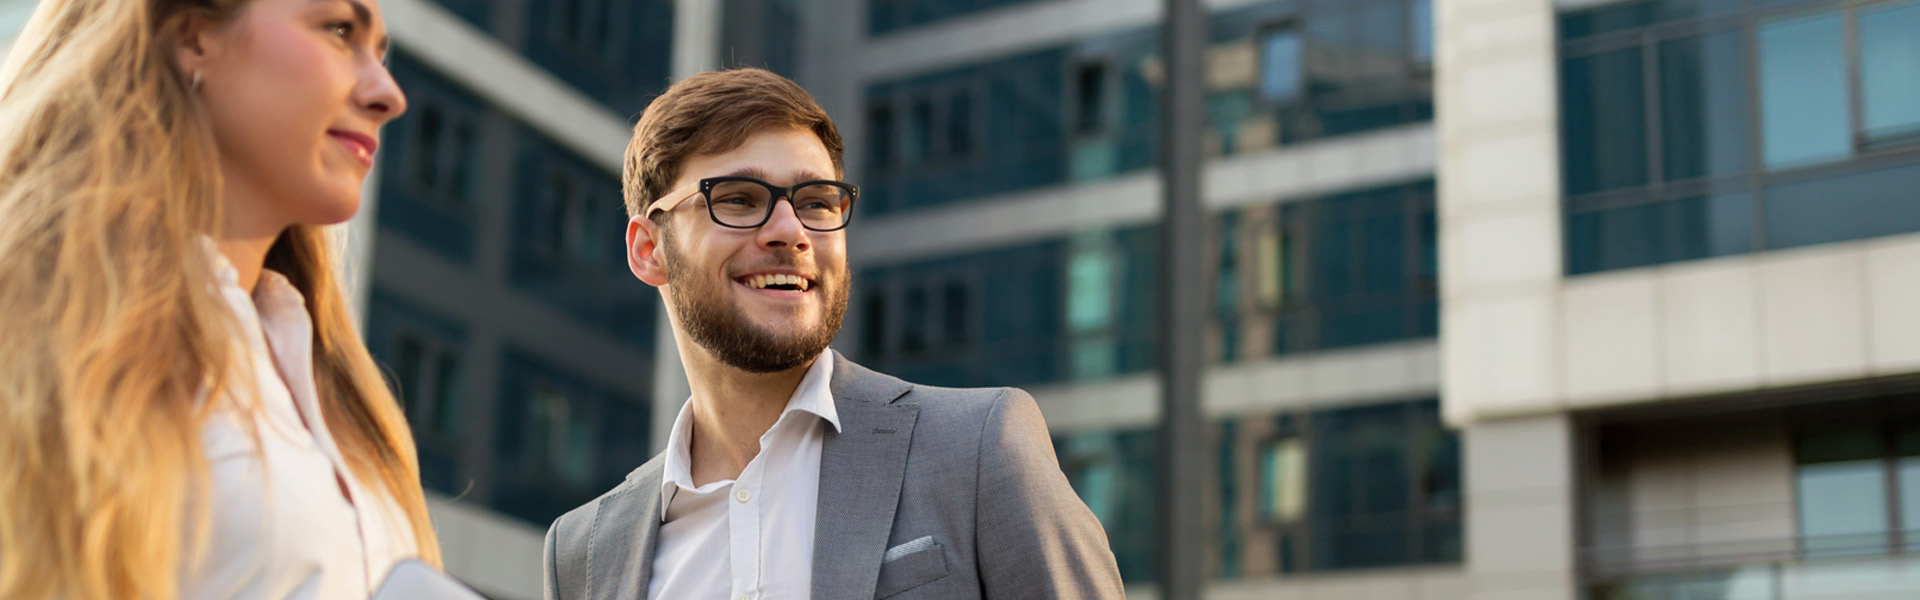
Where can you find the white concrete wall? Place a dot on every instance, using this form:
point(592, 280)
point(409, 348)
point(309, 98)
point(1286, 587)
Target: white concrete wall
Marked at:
point(1823, 313)
point(1499, 204)
point(1519, 476)
point(1313, 381)
point(499, 556)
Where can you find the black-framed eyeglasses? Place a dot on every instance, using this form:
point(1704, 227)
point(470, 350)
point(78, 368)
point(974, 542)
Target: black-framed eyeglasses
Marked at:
point(747, 203)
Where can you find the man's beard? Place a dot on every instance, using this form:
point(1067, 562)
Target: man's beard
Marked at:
point(709, 316)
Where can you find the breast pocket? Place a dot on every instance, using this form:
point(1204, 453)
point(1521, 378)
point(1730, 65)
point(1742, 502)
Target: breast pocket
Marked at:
point(911, 565)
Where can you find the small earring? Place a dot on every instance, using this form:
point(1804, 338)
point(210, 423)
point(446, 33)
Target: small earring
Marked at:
point(195, 85)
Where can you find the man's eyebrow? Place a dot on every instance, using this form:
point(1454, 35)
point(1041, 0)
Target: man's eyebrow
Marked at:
point(763, 175)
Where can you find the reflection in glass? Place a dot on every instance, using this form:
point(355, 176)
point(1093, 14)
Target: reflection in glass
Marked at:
point(1280, 79)
point(1890, 71)
point(1841, 485)
point(1703, 106)
point(1803, 92)
point(1283, 480)
point(1848, 206)
point(1604, 106)
point(1423, 30)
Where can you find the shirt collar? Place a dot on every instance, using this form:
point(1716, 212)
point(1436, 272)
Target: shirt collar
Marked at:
point(814, 395)
point(274, 296)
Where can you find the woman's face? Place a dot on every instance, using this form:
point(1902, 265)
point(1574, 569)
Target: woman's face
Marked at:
point(297, 91)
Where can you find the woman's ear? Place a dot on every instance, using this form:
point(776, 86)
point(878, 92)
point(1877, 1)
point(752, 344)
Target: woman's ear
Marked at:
point(643, 251)
point(196, 44)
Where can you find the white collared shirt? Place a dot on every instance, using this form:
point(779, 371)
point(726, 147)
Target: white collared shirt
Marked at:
point(280, 525)
point(750, 538)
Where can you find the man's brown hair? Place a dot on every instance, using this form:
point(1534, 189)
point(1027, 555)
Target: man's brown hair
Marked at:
point(711, 113)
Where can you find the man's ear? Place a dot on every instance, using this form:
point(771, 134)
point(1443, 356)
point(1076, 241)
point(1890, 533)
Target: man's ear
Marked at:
point(643, 255)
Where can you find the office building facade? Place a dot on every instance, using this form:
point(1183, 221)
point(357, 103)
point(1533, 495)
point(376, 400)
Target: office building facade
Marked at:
point(1605, 299)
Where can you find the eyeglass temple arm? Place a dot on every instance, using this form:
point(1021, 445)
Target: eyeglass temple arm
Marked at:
point(667, 205)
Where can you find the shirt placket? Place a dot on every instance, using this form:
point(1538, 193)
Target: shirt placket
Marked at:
point(743, 530)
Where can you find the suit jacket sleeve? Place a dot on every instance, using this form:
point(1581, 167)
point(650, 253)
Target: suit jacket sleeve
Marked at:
point(1036, 539)
point(549, 582)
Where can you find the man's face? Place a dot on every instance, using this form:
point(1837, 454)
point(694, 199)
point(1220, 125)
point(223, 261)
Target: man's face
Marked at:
point(731, 289)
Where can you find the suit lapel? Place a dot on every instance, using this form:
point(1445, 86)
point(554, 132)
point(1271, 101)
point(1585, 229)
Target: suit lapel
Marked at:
point(626, 531)
point(861, 471)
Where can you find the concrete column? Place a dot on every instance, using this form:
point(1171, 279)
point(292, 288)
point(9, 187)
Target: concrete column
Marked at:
point(670, 387)
point(1520, 519)
point(1497, 119)
point(696, 37)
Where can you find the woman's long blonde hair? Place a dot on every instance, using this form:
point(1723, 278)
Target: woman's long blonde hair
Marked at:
point(112, 329)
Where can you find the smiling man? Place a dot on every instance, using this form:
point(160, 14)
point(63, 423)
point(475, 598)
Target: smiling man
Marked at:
point(792, 472)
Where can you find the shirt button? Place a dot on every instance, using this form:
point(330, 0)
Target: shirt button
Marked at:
point(742, 495)
point(740, 597)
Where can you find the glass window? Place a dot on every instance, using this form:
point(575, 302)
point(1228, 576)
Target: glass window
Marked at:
point(960, 124)
point(880, 135)
point(919, 143)
point(1703, 106)
point(1090, 284)
point(1280, 73)
point(1841, 482)
point(1843, 207)
point(1270, 254)
point(1659, 232)
point(426, 158)
point(874, 338)
point(959, 314)
point(913, 324)
point(1890, 71)
point(1283, 480)
point(1908, 441)
point(1803, 92)
point(1604, 106)
point(1423, 30)
point(1090, 97)
point(562, 436)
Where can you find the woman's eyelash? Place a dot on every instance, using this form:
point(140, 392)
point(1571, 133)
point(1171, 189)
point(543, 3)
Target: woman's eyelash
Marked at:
point(341, 28)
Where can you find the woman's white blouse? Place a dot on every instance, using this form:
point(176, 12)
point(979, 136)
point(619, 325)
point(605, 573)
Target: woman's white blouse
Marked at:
point(281, 526)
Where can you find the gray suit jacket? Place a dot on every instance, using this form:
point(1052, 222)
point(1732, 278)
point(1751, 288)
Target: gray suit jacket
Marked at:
point(925, 493)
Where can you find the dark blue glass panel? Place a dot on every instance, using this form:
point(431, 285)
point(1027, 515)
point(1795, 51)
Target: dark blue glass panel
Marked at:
point(1845, 207)
point(429, 162)
point(561, 439)
point(395, 327)
point(617, 52)
point(569, 246)
point(884, 16)
point(1704, 107)
point(1603, 106)
point(477, 12)
point(1659, 232)
point(1618, 17)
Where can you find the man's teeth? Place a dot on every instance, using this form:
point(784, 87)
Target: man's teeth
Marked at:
point(761, 282)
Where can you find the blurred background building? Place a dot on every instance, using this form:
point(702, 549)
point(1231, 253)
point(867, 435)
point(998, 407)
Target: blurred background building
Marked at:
point(1529, 299)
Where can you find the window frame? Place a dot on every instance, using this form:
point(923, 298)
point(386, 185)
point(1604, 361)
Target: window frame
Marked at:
point(1756, 179)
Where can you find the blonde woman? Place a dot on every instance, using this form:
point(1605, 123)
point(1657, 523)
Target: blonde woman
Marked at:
point(186, 409)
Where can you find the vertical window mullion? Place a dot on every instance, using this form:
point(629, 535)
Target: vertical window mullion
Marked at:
point(1890, 469)
point(1850, 48)
point(1650, 121)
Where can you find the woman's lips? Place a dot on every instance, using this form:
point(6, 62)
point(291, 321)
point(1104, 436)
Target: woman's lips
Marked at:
point(360, 145)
